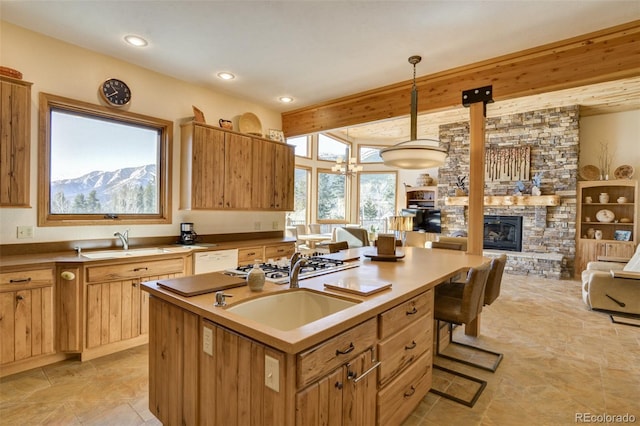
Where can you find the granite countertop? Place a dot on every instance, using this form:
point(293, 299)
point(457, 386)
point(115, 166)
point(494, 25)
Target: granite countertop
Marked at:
point(420, 270)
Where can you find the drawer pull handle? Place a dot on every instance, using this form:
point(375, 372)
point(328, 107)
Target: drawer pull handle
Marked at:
point(19, 297)
point(253, 253)
point(21, 280)
point(140, 269)
point(338, 385)
point(411, 346)
point(412, 311)
point(373, 367)
point(346, 351)
point(410, 393)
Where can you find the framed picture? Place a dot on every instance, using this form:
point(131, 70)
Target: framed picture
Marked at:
point(276, 135)
point(620, 235)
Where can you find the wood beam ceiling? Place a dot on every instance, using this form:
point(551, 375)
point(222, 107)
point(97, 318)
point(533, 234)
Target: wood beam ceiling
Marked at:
point(605, 55)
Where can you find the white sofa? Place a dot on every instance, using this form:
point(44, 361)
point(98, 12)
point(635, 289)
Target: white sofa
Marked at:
point(612, 286)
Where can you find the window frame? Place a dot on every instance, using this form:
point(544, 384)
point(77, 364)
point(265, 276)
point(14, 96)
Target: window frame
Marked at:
point(308, 138)
point(347, 153)
point(359, 157)
point(308, 171)
point(346, 198)
point(165, 127)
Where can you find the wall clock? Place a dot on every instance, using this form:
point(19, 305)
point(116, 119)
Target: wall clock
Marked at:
point(115, 92)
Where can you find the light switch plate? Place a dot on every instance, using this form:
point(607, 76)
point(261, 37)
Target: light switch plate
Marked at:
point(272, 373)
point(25, 231)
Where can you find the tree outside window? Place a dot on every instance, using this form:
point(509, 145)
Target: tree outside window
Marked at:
point(332, 206)
point(377, 198)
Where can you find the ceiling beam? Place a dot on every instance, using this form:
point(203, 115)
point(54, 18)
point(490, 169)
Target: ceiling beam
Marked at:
point(605, 55)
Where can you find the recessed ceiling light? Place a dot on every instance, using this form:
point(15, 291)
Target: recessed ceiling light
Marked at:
point(226, 75)
point(135, 40)
point(285, 99)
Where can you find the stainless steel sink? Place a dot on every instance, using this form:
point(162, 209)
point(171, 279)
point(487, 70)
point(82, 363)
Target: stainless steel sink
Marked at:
point(289, 309)
point(120, 253)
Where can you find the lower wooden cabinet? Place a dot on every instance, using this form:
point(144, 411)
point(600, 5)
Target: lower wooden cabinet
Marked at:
point(26, 314)
point(346, 396)
point(590, 250)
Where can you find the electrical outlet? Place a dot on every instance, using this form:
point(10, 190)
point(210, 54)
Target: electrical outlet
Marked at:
point(272, 373)
point(257, 226)
point(25, 231)
point(274, 225)
point(207, 340)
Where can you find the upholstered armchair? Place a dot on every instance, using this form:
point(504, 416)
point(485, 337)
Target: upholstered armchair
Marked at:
point(613, 286)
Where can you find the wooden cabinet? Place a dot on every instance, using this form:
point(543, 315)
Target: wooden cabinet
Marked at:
point(405, 352)
point(279, 250)
point(69, 308)
point(174, 360)
point(421, 196)
point(222, 169)
point(15, 142)
point(116, 309)
point(618, 236)
point(346, 396)
point(248, 255)
point(26, 314)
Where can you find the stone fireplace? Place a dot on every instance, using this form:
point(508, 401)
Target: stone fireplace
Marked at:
point(502, 233)
point(548, 232)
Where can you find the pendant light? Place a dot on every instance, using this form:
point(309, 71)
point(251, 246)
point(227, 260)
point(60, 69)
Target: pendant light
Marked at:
point(414, 153)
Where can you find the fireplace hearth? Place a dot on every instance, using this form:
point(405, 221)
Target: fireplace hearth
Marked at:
point(502, 233)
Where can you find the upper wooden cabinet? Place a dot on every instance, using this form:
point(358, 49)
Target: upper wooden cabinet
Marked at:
point(15, 142)
point(221, 169)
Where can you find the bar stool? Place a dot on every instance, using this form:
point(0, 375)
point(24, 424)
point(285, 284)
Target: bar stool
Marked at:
point(491, 293)
point(462, 311)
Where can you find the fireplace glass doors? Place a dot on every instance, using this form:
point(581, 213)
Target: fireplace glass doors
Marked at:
point(503, 233)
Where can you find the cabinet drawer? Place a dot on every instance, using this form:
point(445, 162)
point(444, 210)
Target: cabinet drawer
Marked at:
point(397, 400)
point(328, 355)
point(248, 255)
point(404, 314)
point(135, 270)
point(404, 348)
point(26, 279)
point(281, 250)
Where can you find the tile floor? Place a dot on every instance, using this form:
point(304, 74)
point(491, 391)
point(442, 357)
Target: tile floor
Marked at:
point(560, 360)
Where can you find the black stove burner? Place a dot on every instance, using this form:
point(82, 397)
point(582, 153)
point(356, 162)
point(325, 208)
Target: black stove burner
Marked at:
point(277, 272)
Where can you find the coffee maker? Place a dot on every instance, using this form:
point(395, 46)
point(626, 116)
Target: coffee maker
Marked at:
point(187, 234)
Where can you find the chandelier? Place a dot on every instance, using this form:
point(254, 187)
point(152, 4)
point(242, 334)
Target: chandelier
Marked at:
point(414, 153)
point(349, 168)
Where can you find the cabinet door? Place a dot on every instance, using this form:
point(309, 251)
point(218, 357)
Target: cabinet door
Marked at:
point(113, 312)
point(69, 306)
point(264, 186)
point(15, 112)
point(283, 181)
point(208, 168)
point(26, 323)
point(344, 397)
point(622, 249)
point(237, 173)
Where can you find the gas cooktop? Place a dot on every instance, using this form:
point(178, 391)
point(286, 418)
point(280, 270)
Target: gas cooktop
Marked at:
point(278, 271)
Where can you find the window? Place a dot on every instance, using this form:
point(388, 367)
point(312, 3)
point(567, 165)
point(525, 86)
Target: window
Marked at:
point(332, 198)
point(302, 145)
point(301, 185)
point(98, 165)
point(369, 154)
point(377, 198)
point(330, 149)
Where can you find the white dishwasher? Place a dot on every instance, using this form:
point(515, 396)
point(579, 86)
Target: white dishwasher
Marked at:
point(215, 261)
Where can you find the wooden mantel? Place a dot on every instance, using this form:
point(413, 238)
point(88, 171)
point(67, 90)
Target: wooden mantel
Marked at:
point(605, 55)
point(508, 200)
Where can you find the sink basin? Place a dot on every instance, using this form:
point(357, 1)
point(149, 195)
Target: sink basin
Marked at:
point(120, 253)
point(291, 309)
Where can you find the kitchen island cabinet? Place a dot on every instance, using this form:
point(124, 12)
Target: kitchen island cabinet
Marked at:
point(366, 364)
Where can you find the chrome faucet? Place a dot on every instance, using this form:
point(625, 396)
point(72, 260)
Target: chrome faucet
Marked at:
point(294, 270)
point(124, 237)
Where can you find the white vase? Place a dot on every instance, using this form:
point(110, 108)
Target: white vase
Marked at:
point(603, 198)
point(535, 191)
point(598, 234)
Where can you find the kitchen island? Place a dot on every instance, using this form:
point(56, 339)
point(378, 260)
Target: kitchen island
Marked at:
point(369, 363)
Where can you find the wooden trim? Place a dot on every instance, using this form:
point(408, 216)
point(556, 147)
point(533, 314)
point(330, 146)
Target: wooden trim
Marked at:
point(508, 200)
point(605, 55)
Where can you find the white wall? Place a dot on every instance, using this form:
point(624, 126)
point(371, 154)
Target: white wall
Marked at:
point(67, 70)
point(620, 130)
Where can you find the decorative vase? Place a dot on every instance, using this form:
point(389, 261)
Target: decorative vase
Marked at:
point(588, 199)
point(424, 180)
point(535, 191)
point(591, 233)
point(460, 192)
point(255, 278)
point(598, 235)
point(603, 198)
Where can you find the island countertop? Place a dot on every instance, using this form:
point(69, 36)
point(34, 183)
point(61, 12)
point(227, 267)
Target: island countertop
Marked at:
point(420, 270)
